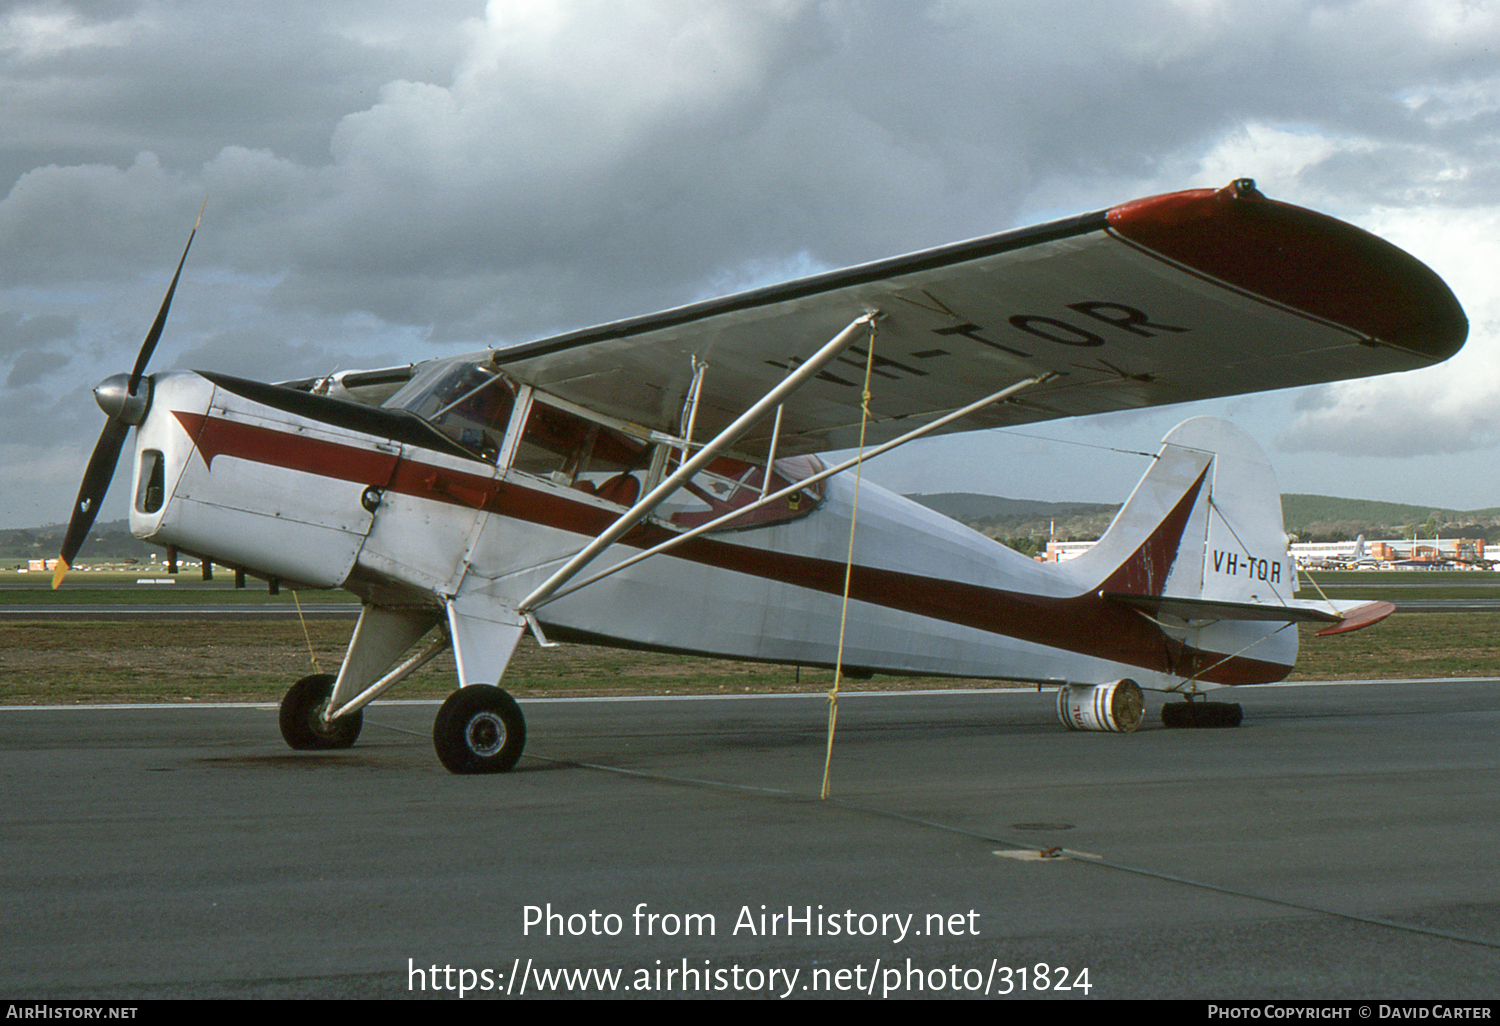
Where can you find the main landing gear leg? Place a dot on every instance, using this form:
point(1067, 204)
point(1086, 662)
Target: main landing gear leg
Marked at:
point(479, 729)
point(302, 717)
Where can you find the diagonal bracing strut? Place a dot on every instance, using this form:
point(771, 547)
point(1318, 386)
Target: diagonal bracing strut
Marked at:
point(797, 486)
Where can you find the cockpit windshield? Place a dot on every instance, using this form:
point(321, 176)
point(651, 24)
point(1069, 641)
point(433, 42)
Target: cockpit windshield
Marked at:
point(468, 402)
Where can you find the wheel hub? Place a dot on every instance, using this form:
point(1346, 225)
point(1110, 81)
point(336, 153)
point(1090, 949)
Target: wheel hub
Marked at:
point(485, 734)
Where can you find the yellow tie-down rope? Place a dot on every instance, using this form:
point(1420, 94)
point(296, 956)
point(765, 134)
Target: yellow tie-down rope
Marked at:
point(838, 666)
point(311, 655)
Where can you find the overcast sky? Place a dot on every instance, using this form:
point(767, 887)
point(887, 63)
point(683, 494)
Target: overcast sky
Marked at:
point(392, 181)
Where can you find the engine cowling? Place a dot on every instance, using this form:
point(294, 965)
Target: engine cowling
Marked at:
point(1117, 707)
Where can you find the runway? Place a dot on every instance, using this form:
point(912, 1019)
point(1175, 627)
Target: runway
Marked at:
point(1343, 843)
point(124, 611)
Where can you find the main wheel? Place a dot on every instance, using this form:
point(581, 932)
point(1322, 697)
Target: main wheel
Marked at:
point(479, 729)
point(1201, 714)
point(302, 717)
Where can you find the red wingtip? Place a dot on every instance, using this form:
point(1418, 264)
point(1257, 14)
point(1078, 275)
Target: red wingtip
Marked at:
point(1301, 259)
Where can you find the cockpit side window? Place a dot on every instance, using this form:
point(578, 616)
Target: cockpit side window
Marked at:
point(465, 401)
point(573, 451)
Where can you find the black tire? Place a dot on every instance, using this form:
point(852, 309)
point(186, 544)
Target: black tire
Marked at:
point(1201, 714)
point(301, 717)
point(1177, 714)
point(479, 729)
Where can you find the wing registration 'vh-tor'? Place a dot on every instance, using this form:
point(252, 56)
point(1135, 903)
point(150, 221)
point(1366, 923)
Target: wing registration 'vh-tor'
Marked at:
point(654, 482)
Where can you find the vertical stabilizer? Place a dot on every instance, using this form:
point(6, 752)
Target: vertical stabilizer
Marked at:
point(1201, 549)
point(1204, 523)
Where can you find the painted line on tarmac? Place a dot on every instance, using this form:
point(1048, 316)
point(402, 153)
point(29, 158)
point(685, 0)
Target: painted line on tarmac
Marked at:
point(818, 695)
point(434, 702)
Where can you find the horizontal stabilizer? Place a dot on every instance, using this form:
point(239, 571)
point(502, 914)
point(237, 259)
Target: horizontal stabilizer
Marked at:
point(1216, 609)
point(1343, 616)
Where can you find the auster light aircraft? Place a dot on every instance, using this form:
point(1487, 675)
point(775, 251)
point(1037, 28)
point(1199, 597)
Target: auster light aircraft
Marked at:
point(653, 482)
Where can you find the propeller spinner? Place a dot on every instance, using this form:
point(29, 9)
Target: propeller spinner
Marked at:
point(125, 403)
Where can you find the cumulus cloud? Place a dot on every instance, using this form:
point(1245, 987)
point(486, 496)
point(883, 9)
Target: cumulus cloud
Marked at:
point(387, 183)
point(1448, 409)
point(32, 365)
point(18, 331)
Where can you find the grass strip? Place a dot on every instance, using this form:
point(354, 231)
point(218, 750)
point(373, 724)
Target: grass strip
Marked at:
point(96, 661)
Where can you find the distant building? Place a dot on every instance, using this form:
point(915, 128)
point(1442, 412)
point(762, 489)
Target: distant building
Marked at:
point(1315, 554)
point(1436, 550)
point(1060, 552)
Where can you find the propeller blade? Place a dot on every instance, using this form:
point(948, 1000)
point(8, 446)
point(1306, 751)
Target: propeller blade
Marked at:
point(154, 335)
point(101, 468)
point(96, 478)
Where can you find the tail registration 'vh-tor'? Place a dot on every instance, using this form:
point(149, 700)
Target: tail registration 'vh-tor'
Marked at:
point(654, 482)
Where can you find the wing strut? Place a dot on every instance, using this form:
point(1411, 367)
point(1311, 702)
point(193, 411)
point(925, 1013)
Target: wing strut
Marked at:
point(673, 542)
point(642, 509)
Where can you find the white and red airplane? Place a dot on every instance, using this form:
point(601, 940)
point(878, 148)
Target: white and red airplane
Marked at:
point(653, 482)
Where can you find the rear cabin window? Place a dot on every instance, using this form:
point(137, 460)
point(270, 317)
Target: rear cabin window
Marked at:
point(728, 484)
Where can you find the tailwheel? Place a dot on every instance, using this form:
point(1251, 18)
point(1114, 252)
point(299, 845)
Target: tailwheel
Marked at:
point(479, 729)
point(302, 723)
point(1201, 714)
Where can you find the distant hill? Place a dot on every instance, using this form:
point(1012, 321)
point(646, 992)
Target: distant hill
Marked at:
point(969, 506)
point(1325, 518)
point(109, 540)
point(1310, 517)
point(1024, 524)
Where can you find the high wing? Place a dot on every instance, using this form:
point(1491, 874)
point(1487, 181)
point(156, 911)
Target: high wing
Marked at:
point(1190, 295)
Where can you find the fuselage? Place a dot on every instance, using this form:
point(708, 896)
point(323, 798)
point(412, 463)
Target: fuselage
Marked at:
point(406, 508)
